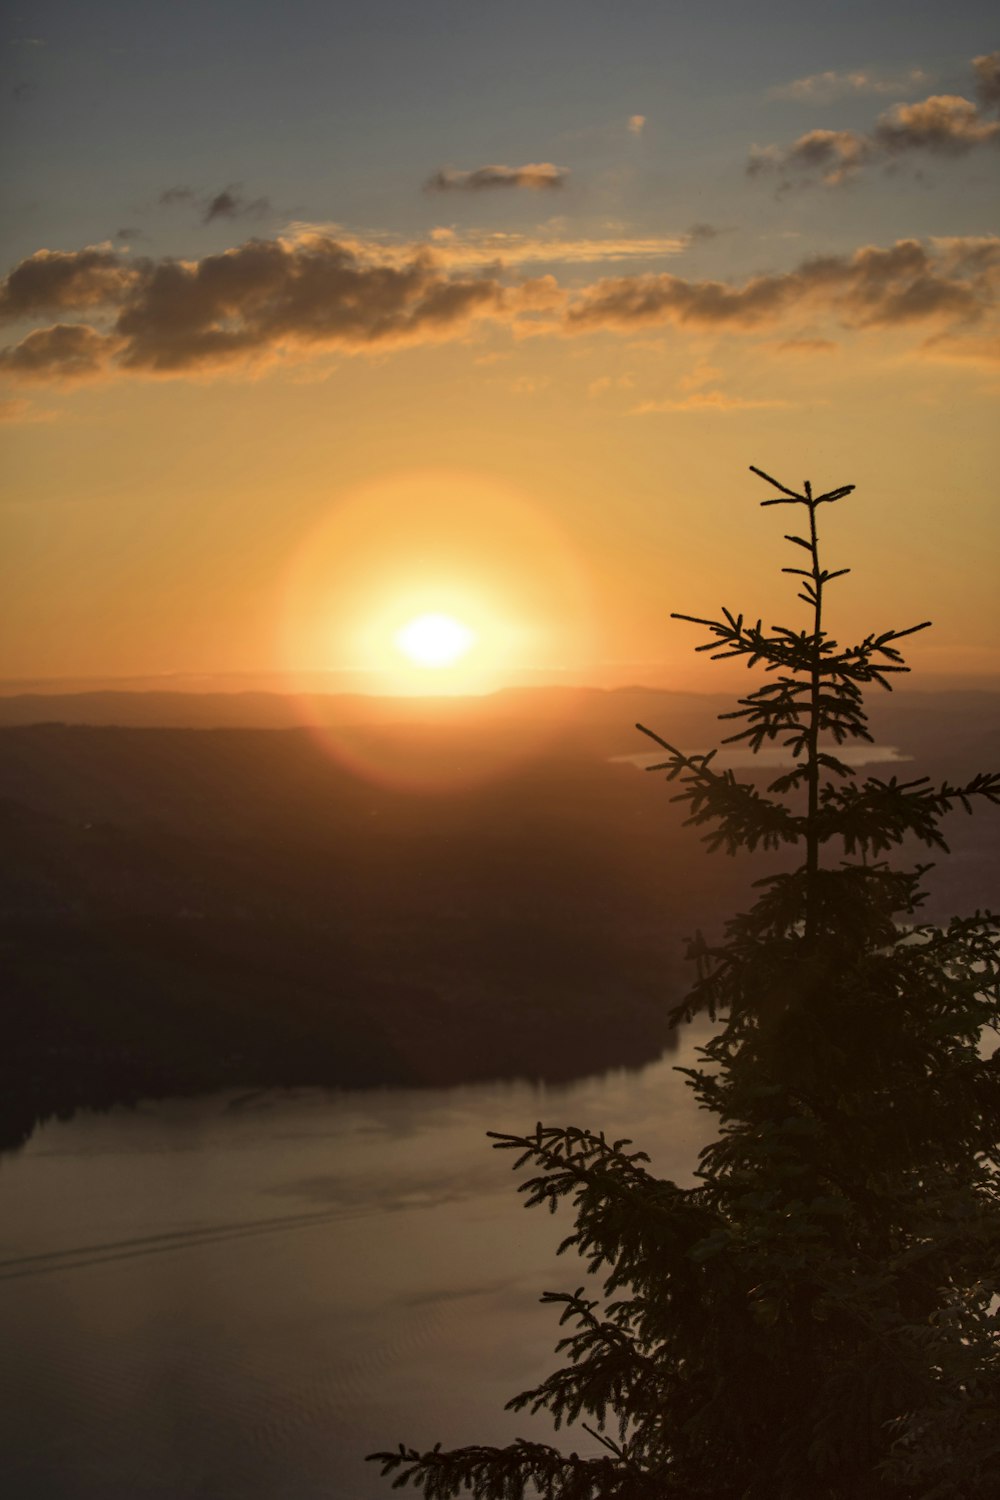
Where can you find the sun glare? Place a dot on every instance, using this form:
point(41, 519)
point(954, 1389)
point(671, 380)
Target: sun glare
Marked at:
point(439, 585)
point(432, 583)
point(434, 640)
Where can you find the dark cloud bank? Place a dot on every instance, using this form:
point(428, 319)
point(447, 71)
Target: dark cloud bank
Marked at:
point(270, 298)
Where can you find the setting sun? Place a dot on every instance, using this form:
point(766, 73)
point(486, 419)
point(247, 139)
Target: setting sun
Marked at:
point(432, 582)
point(435, 640)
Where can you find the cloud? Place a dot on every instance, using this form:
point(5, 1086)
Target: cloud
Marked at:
point(824, 88)
point(530, 385)
point(51, 281)
point(703, 374)
point(67, 351)
point(807, 346)
point(710, 401)
point(535, 175)
point(832, 154)
point(173, 195)
point(952, 281)
point(229, 203)
point(293, 296)
point(986, 71)
point(699, 233)
point(15, 411)
point(267, 294)
point(943, 124)
point(505, 249)
point(263, 298)
point(971, 349)
point(605, 383)
point(637, 124)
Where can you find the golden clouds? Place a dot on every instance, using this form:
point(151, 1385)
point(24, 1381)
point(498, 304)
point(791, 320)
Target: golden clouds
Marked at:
point(831, 154)
point(288, 298)
point(711, 401)
point(51, 281)
point(15, 411)
point(255, 301)
point(986, 71)
point(942, 124)
point(66, 351)
point(910, 282)
point(823, 88)
point(945, 123)
point(492, 249)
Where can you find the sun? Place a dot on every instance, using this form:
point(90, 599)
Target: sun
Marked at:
point(434, 640)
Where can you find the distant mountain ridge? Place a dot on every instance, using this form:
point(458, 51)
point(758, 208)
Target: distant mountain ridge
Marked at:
point(184, 907)
point(602, 719)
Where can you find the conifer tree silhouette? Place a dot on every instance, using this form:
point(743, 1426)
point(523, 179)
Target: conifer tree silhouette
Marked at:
point(816, 1318)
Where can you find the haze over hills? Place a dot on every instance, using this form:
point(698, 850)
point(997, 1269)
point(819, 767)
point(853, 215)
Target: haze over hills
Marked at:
point(927, 717)
point(255, 708)
point(186, 907)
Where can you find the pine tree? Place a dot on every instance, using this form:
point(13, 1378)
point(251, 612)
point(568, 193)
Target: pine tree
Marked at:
point(816, 1318)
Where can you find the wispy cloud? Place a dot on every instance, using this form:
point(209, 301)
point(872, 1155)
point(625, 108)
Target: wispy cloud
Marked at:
point(171, 196)
point(15, 411)
point(538, 176)
point(530, 385)
point(500, 248)
point(294, 296)
point(605, 383)
point(710, 401)
point(232, 203)
point(698, 234)
point(229, 203)
point(824, 88)
point(807, 346)
point(981, 349)
point(830, 155)
point(946, 125)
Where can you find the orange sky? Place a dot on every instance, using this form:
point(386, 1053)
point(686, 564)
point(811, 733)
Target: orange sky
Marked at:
point(251, 438)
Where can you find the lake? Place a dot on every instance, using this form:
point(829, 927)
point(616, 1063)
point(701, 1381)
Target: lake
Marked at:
point(242, 1295)
point(773, 757)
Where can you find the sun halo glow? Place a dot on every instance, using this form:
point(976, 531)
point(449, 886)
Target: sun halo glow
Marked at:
point(358, 594)
point(434, 640)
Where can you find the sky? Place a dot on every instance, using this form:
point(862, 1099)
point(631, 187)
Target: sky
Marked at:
point(318, 318)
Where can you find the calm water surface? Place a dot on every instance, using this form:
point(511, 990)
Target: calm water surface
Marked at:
point(241, 1296)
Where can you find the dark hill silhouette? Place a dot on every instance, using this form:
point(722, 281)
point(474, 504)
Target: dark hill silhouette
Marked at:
point(181, 909)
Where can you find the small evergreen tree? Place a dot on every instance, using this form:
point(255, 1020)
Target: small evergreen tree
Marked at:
point(816, 1318)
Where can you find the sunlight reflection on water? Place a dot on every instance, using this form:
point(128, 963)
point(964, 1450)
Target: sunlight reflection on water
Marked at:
point(240, 1296)
point(740, 758)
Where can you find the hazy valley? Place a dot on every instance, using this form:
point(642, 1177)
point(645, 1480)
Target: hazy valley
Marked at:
point(187, 908)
